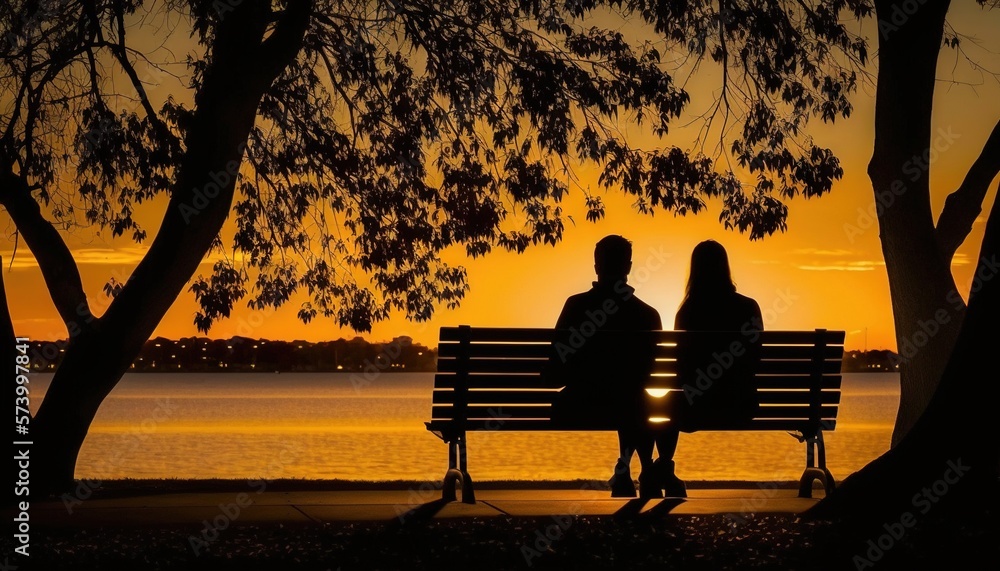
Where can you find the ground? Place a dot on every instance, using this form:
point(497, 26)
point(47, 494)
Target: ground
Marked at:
point(623, 538)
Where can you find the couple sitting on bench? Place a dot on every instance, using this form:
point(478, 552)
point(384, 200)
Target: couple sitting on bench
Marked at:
point(606, 375)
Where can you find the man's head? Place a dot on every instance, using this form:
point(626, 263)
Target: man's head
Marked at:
point(613, 258)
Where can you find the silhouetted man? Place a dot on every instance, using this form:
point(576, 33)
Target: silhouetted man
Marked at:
point(605, 374)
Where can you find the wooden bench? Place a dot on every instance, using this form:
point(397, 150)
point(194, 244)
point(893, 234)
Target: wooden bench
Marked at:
point(492, 379)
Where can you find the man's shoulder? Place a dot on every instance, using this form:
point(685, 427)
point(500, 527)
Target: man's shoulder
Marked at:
point(645, 306)
point(648, 312)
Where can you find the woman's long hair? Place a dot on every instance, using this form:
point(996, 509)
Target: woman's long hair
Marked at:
point(709, 274)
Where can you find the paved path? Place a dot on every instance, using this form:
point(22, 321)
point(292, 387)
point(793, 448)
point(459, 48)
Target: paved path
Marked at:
point(257, 507)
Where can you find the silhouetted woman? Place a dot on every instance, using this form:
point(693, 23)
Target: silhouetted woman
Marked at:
point(711, 302)
point(716, 370)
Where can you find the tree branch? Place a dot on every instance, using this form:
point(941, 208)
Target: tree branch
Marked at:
point(121, 55)
point(285, 41)
point(59, 269)
point(963, 206)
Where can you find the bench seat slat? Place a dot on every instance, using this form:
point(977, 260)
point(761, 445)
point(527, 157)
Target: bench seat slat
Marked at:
point(510, 381)
point(499, 397)
point(451, 365)
point(797, 397)
point(447, 365)
point(801, 352)
point(546, 396)
point(796, 381)
point(513, 425)
point(447, 381)
point(763, 368)
point(509, 350)
point(544, 411)
point(492, 411)
point(544, 350)
point(763, 382)
point(536, 335)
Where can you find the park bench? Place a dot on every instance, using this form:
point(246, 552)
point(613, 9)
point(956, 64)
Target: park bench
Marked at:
point(492, 379)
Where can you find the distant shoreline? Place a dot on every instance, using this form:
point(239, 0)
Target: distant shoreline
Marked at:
point(359, 356)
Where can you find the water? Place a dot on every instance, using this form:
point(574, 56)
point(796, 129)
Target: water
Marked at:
point(323, 426)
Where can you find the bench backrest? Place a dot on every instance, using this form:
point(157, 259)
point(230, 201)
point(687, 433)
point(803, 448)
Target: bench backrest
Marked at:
point(491, 378)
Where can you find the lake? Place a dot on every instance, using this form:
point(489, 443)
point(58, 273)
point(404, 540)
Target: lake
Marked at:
point(325, 426)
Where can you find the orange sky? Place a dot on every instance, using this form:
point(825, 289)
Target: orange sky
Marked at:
point(826, 271)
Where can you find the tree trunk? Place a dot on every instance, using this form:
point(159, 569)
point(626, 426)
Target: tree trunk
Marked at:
point(7, 354)
point(201, 198)
point(927, 311)
point(80, 385)
point(944, 465)
point(944, 473)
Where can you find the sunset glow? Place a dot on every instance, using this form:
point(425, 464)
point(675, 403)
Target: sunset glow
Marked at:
point(827, 271)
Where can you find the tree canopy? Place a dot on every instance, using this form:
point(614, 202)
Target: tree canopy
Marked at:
point(400, 129)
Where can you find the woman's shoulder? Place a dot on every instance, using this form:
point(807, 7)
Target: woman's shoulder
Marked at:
point(748, 303)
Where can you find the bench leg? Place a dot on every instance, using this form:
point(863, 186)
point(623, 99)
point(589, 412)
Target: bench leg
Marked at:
point(809, 476)
point(458, 473)
point(815, 467)
point(468, 491)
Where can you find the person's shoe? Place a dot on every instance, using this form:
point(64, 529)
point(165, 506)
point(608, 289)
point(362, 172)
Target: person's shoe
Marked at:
point(649, 485)
point(621, 482)
point(672, 486)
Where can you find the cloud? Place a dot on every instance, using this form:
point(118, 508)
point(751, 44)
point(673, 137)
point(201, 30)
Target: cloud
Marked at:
point(961, 260)
point(858, 266)
point(83, 256)
point(19, 262)
point(821, 252)
point(127, 256)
